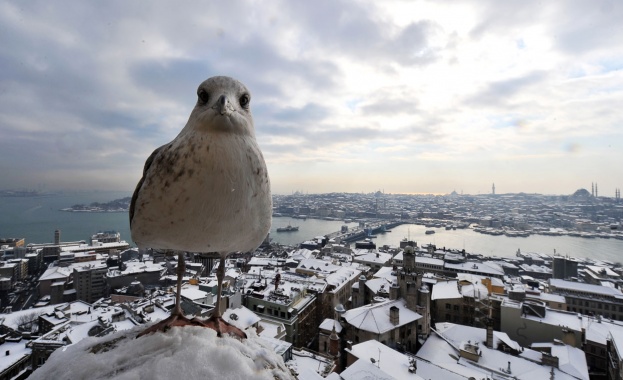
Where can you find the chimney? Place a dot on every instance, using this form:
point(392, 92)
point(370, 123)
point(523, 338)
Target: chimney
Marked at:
point(394, 315)
point(489, 341)
point(333, 342)
point(334, 348)
point(277, 280)
point(568, 337)
point(394, 291)
point(550, 360)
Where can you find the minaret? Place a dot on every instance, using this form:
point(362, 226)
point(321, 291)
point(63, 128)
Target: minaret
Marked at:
point(493, 189)
point(592, 189)
point(596, 191)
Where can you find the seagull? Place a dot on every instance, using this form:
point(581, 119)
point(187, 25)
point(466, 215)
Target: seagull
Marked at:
point(207, 191)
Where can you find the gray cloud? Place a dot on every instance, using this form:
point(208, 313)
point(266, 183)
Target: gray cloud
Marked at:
point(357, 30)
point(390, 106)
point(576, 27)
point(502, 93)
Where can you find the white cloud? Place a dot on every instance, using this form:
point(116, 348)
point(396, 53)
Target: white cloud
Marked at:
point(457, 94)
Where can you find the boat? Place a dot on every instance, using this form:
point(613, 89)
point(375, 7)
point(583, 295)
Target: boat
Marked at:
point(430, 232)
point(289, 228)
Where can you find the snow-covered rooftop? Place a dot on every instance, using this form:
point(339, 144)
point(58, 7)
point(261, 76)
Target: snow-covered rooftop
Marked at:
point(579, 287)
point(442, 348)
point(446, 290)
point(375, 317)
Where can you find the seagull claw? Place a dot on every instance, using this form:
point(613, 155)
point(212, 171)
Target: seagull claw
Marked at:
point(175, 320)
point(222, 327)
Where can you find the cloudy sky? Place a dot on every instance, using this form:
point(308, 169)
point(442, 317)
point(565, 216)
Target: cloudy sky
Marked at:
point(355, 96)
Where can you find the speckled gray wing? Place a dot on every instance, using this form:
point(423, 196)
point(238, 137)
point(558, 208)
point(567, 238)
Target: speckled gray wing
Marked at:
point(148, 163)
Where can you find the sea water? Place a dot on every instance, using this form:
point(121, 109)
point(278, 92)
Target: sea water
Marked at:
point(36, 219)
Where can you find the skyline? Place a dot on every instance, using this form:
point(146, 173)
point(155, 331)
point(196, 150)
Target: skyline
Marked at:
point(410, 97)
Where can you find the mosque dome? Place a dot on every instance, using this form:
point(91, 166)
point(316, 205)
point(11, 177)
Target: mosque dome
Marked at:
point(581, 193)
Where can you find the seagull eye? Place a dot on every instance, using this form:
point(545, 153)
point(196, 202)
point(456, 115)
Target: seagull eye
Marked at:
point(244, 100)
point(203, 96)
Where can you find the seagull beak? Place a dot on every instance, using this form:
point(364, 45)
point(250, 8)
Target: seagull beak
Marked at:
point(223, 106)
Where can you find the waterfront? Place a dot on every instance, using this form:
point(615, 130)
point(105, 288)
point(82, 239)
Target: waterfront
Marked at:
point(36, 218)
point(503, 246)
point(474, 242)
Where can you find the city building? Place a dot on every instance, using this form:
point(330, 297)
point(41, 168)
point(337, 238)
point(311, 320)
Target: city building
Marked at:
point(90, 282)
point(590, 299)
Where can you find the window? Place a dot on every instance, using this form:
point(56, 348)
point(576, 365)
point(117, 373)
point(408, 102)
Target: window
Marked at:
point(448, 307)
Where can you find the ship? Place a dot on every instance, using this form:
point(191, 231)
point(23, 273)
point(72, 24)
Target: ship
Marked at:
point(289, 228)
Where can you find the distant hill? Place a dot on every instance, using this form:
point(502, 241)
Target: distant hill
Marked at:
point(118, 205)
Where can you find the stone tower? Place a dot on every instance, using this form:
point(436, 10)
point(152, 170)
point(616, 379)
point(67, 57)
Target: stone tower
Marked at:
point(424, 309)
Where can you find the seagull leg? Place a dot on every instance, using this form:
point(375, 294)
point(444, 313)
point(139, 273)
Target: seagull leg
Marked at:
point(216, 321)
point(220, 276)
point(177, 317)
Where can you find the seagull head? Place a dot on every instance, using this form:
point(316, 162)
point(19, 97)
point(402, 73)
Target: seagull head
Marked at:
point(223, 105)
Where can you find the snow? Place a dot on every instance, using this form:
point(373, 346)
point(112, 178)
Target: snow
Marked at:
point(488, 268)
point(304, 361)
point(476, 290)
point(387, 273)
point(363, 370)
point(241, 317)
point(12, 352)
point(182, 352)
point(571, 360)
point(581, 288)
point(318, 265)
point(446, 290)
point(342, 276)
point(441, 348)
point(375, 318)
point(271, 329)
point(328, 325)
point(396, 365)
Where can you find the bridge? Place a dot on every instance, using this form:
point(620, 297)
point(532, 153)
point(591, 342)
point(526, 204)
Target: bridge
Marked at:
point(360, 233)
